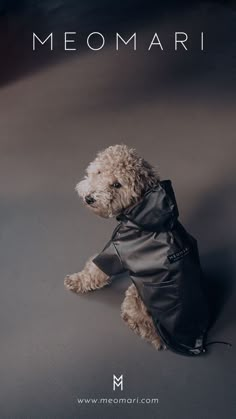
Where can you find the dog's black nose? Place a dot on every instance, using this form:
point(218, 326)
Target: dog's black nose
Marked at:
point(89, 199)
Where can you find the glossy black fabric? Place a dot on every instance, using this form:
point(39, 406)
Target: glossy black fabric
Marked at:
point(163, 262)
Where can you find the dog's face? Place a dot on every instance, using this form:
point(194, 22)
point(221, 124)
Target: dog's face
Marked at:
point(115, 180)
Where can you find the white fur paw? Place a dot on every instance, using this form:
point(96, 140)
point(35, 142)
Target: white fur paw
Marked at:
point(73, 283)
point(158, 345)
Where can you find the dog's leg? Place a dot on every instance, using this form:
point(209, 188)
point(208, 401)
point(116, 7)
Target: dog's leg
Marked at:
point(90, 278)
point(135, 315)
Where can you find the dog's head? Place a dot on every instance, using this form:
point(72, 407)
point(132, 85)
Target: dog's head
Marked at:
point(115, 180)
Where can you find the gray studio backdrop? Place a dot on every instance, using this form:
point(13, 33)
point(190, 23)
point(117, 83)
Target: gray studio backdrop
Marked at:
point(56, 346)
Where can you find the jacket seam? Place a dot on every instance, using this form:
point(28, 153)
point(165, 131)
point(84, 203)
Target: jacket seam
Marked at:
point(118, 254)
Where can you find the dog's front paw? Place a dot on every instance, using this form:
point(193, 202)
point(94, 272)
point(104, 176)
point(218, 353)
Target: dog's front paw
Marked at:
point(73, 283)
point(158, 344)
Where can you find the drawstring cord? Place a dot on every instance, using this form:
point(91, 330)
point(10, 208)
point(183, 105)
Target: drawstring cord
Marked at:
point(219, 341)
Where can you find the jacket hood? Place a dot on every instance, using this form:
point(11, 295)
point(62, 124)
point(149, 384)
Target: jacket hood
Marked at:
point(157, 209)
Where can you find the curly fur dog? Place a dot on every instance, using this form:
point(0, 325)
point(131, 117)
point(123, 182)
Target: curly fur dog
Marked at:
point(116, 180)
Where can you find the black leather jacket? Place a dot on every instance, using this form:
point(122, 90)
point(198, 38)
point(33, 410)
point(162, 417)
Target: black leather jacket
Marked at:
point(163, 262)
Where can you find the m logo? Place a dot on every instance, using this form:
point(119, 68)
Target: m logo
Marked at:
point(118, 382)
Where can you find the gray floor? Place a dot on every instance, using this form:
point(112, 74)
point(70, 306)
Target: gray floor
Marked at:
point(55, 346)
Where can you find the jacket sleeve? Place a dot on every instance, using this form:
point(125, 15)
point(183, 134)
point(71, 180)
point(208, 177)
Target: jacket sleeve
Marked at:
point(109, 260)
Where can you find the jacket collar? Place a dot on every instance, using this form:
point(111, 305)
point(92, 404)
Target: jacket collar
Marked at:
point(157, 209)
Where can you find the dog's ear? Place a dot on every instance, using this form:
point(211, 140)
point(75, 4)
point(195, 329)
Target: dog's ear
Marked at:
point(147, 177)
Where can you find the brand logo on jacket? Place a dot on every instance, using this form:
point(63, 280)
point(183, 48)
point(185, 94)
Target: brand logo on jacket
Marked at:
point(179, 255)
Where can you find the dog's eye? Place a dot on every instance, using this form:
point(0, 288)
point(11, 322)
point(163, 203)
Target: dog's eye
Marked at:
point(116, 185)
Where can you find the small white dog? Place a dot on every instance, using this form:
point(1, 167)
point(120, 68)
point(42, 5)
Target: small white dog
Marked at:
point(167, 302)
